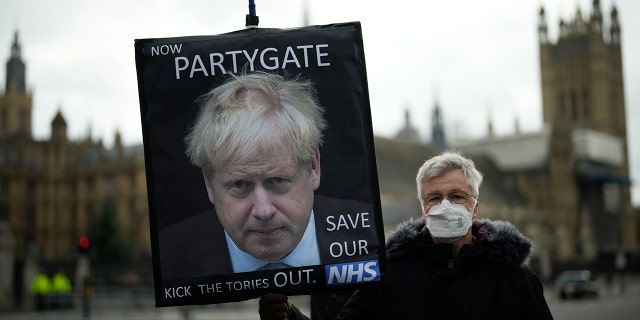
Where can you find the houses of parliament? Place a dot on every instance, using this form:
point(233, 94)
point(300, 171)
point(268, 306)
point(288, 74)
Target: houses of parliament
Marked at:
point(566, 186)
point(52, 192)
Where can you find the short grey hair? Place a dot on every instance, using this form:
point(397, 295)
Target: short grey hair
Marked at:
point(445, 162)
point(249, 115)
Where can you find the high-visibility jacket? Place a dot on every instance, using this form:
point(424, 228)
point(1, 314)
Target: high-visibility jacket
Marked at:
point(41, 285)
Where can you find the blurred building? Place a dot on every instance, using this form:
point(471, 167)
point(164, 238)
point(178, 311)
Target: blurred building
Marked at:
point(408, 132)
point(588, 193)
point(53, 190)
point(568, 185)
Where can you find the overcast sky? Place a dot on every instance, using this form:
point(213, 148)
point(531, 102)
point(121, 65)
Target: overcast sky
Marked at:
point(477, 59)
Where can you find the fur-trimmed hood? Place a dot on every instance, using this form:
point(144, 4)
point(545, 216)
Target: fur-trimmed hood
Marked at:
point(504, 243)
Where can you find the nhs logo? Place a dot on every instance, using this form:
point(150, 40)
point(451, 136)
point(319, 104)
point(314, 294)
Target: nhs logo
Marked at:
point(352, 272)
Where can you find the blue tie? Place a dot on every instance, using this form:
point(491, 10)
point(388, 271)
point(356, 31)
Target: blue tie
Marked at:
point(274, 265)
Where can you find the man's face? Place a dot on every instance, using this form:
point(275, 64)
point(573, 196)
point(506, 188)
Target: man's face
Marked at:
point(265, 205)
point(452, 180)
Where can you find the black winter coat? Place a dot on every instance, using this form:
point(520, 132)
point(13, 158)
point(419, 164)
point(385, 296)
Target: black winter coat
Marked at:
point(487, 280)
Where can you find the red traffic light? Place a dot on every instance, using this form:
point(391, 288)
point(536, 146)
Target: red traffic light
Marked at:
point(84, 243)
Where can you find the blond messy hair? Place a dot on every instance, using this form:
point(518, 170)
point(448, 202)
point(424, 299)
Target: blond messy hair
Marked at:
point(250, 115)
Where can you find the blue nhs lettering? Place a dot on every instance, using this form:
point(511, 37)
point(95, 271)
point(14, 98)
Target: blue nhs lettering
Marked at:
point(352, 272)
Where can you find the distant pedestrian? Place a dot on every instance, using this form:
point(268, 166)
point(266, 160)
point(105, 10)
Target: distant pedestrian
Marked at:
point(87, 292)
point(41, 289)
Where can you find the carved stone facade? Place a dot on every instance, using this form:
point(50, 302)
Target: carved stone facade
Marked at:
point(51, 191)
point(583, 102)
point(567, 186)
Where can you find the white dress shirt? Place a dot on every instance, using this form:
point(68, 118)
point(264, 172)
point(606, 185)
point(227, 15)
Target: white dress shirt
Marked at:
point(306, 253)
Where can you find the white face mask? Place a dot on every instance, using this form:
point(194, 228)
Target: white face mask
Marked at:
point(448, 222)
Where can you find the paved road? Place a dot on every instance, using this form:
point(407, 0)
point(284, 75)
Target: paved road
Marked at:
point(625, 307)
point(247, 310)
point(611, 305)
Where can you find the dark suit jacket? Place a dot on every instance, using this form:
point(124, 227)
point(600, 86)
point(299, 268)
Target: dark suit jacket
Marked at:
point(197, 246)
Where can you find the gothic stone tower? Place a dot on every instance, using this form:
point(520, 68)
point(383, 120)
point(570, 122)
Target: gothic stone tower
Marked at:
point(54, 190)
point(15, 104)
point(589, 205)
